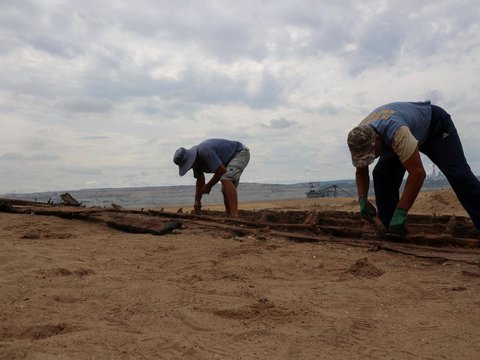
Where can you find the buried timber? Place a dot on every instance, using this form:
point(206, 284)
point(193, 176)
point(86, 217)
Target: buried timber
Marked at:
point(302, 281)
point(300, 225)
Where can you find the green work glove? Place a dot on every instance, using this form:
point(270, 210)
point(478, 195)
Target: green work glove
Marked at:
point(367, 210)
point(397, 224)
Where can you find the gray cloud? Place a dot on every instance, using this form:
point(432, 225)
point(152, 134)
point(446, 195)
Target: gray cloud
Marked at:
point(280, 123)
point(115, 87)
point(95, 138)
point(23, 157)
point(86, 105)
point(12, 156)
point(55, 47)
point(435, 96)
point(43, 157)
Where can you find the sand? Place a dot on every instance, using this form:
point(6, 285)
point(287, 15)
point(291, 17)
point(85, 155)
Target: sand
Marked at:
point(440, 202)
point(77, 290)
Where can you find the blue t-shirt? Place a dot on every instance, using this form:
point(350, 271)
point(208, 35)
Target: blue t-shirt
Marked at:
point(215, 152)
point(388, 118)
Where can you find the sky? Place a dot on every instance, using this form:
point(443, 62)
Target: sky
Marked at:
point(98, 94)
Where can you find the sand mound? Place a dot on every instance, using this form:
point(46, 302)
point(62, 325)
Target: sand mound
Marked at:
point(439, 202)
point(365, 268)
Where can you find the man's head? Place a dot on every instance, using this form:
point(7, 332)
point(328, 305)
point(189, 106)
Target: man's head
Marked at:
point(361, 142)
point(185, 159)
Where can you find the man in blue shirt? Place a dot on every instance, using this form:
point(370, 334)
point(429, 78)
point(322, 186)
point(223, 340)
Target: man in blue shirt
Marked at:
point(397, 133)
point(226, 159)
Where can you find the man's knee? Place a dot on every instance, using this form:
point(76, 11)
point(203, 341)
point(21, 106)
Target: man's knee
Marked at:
point(228, 183)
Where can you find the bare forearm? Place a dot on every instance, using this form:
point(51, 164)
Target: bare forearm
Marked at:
point(412, 188)
point(416, 176)
point(362, 179)
point(215, 179)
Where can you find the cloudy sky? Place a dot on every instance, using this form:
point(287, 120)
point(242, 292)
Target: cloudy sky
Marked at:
point(101, 93)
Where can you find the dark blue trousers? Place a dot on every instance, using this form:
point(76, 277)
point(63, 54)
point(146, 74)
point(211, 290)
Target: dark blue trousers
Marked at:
point(444, 149)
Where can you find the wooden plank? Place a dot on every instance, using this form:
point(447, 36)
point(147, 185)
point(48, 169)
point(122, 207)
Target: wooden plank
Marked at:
point(166, 228)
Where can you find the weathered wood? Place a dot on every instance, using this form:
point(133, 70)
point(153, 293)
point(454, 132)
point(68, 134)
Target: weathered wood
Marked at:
point(470, 256)
point(354, 227)
point(5, 206)
point(167, 228)
point(117, 207)
point(24, 202)
point(238, 221)
point(74, 211)
point(69, 200)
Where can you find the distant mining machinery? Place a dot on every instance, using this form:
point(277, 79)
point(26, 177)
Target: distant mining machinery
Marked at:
point(329, 191)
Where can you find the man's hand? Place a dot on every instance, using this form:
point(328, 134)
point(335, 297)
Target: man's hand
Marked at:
point(197, 207)
point(397, 224)
point(206, 189)
point(367, 210)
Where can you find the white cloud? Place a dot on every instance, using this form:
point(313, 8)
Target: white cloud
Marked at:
point(102, 93)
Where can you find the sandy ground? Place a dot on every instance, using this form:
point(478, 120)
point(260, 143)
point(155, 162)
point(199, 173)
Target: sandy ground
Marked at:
point(78, 290)
point(441, 202)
